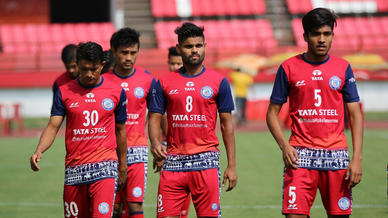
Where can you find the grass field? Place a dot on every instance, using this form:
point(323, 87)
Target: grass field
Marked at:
point(24, 193)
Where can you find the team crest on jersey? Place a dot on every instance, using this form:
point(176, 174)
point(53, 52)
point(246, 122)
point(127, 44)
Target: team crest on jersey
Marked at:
point(107, 104)
point(139, 92)
point(335, 82)
point(207, 92)
point(137, 192)
point(344, 203)
point(214, 206)
point(103, 208)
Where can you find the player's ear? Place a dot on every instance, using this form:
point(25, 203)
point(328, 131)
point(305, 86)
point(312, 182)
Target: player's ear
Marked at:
point(178, 49)
point(305, 36)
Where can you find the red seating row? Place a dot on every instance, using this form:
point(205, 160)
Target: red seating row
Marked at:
point(339, 6)
point(52, 37)
point(223, 34)
point(189, 8)
point(353, 33)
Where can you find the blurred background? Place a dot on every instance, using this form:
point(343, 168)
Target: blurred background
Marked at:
point(248, 36)
point(252, 36)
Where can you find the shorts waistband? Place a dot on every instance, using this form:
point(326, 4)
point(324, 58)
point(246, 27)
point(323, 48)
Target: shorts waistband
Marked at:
point(323, 159)
point(90, 172)
point(194, 162)
point(138, 154)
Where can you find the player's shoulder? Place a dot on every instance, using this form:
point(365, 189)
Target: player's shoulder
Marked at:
point(109, 74)
point(144, 73)
point(213, 75)
point(338, 60)
point(63, 79)
point(293, 60)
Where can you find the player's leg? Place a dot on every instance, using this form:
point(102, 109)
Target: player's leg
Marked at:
point(205, 188)
point(185, 208)
point(336, 196)
point(172, 193)
point(135, 189)
point(299, 190)
point(76, 201)
point(118, 205)
point(102, 195)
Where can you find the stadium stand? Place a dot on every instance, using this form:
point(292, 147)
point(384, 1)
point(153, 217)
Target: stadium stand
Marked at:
point(257, 34)
point(339, 6)
point(196, 8)
point(32, 38)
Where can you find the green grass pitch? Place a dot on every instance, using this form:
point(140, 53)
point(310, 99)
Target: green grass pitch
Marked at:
point(24, 193)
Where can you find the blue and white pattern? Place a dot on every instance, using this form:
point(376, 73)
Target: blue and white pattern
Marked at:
point(137, 155)
point(207, 92)
point(335, 82)
point(103, 208)
point(323, 159)
point(139, 92)
point(201, 161)
point(344, 203)
point(90, 172)
point(108, 104)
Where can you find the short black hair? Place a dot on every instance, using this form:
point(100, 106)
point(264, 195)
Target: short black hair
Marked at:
point(189, 30)
point(317, 18)
point(172, 51)
point(109, 60)
point(69, 53)
point(125, 37)
point(90, 51)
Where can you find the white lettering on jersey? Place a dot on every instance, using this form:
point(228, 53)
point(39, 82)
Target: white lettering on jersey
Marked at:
point(321, 112)
point(192, 117)
point(89, 131)
point(133, 116)
point(300, 83)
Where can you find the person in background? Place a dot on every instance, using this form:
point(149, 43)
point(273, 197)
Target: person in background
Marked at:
point(241, 82)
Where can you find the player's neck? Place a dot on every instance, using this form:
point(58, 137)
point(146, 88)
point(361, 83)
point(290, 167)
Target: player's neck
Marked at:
point(315, 58)
point(123, 72)
point(192, 70)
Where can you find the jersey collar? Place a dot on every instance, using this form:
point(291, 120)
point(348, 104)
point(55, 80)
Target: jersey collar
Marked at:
point(182, 72)
point(125, 77)
point(315, 63)
point(91, 87)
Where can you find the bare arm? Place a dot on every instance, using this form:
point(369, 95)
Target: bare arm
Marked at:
point(290, 156)
point(157, 149)
point(230, 146)
point(121, 140)
point(46, 140)
point(354, 171)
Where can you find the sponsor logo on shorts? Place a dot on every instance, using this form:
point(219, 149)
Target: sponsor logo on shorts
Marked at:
point(103, 208)
point(344, 203)
point(207, 92)
point(335, 82)
point(137, 192)
point(139, 92)
point(108, 104)
point(214, 206)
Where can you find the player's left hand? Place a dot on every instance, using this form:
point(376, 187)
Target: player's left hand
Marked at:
point(354, 173)
point(231, 175)
point(122, 177)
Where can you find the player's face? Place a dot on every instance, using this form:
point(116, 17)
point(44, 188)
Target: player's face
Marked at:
point(174, 63)
point(192, 50)
point(72, 69)
point(126, 56)
point(89, 72)
point(319, 41)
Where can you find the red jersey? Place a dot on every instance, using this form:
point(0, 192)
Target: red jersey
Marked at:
point(317, 92)
point(91, 113)
point(63, 79)
point(137, 88)
point(191, 103)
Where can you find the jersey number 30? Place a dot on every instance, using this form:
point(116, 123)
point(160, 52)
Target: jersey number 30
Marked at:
point(90, 117)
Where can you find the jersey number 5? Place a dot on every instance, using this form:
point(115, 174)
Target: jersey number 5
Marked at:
point(317, 97)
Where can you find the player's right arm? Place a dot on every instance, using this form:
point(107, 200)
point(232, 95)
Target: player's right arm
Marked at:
point(278, 98)
point(290, 156)
point(46, 140)
point(157, 149)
